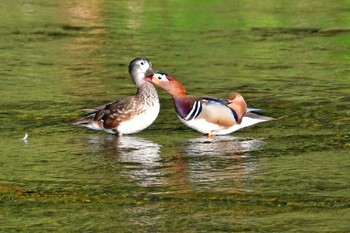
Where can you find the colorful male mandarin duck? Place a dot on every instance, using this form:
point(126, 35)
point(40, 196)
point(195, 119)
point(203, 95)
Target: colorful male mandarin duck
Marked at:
point(207, 115)
point(130, 114)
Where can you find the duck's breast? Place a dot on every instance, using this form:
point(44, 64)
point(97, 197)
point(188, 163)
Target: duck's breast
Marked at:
point(140, 121)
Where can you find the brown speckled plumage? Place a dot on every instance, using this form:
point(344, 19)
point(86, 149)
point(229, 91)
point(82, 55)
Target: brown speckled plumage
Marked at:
point(144, 104)
point(126, 108)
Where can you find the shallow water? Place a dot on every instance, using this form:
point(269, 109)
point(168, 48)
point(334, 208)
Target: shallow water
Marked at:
point(291, 60)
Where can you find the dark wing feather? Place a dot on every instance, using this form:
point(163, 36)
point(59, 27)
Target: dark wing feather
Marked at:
point(118, 111)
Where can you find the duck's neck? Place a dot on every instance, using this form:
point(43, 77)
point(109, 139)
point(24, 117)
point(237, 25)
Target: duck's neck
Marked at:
point(176, 90)
point(138, 79)
point(144, 88)
point(179, 96)
point(147, 93)
point(182, 106)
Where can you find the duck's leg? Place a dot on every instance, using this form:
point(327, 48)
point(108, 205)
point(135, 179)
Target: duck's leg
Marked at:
point(115, 132)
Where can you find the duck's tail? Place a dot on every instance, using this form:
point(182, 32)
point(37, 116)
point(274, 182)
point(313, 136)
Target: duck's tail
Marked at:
point(89, 122)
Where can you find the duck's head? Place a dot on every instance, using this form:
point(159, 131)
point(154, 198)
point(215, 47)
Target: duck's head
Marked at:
point(139, 67)
point(168, 83)
point(160, 78)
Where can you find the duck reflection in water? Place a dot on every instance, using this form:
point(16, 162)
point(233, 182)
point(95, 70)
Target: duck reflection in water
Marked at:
point(140, 157)
point(220, 163)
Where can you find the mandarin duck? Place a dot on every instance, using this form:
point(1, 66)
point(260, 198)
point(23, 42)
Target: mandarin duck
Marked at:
point(207, 115)
point(130, 114)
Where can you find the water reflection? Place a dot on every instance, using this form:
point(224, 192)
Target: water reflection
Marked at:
point(220, 145)
point(140, 157)
point(219, 163)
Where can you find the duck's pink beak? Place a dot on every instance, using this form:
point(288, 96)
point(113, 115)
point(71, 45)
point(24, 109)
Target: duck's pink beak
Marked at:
point(149, 78)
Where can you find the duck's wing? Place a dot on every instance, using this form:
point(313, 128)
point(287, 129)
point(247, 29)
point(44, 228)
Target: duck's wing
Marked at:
point(122, 110)
point(210, 109)
point(217, 112)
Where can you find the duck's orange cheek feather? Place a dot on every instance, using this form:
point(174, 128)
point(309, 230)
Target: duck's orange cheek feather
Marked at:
point(157, 82)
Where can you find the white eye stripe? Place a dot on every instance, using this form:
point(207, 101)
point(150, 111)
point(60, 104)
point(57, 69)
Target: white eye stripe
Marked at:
point(162, 77)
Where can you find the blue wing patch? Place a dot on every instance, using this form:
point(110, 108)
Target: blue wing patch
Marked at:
point(234, 114)
point(214, 101)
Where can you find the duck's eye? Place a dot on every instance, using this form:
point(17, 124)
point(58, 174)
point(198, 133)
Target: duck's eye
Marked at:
point(160, 77)
point(142, 63)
